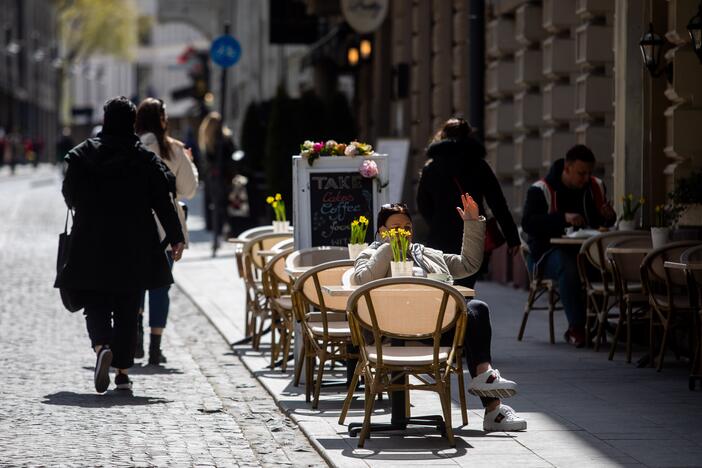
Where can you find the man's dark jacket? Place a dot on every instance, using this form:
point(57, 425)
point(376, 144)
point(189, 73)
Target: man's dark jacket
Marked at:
point(540, 225)
point(113, 183)
point(455, 166)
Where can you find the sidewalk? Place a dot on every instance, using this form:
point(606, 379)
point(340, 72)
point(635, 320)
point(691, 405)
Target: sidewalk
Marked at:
point(582, 409)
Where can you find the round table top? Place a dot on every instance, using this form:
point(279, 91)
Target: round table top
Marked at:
point(629, 250)
point(565, 240)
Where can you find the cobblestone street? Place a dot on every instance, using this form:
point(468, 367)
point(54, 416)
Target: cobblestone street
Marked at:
point(202, 408)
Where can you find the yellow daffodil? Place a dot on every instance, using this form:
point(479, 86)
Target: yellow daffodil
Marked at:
point(363, 220)
point(642, 200)
point(269, 200)
point(278, 197)
point(274, 204)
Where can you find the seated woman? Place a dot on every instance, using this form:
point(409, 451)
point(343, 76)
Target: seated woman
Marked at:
point(374, 263)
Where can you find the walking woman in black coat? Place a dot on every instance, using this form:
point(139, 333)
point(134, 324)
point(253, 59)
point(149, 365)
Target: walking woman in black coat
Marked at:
point(113, 183)
point(457, 165)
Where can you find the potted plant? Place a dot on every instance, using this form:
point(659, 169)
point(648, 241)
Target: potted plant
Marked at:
point(664, 219)
point(280, 224)
point(399, 243)
point(357, 242)
point(687, 195)
point(627, 221)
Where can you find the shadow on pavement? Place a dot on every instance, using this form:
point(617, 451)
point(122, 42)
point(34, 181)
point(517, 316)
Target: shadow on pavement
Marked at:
point(109, 399)
point(146, 370)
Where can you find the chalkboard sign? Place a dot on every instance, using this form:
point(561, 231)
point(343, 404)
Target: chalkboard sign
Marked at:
point(336, 199)
point(332, 193)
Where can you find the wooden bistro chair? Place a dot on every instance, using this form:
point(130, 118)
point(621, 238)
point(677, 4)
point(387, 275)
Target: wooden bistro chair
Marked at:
point(325, 329)
point(694, 255)
point(244, 236)
point(256, 303)
point(626, 276)
point(666, 289)
point(538, 286)
point(277, 287)
point(601, 290)
point(407, 309)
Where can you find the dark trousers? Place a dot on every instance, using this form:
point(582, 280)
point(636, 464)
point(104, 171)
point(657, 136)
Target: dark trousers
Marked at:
point(111, 319)
point(478, 338)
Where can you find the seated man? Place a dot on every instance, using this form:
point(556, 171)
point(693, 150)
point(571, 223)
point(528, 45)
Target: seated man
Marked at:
point(374, 263)
point(568, 196)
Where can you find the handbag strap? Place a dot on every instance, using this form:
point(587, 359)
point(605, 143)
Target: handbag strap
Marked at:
point(65, 226)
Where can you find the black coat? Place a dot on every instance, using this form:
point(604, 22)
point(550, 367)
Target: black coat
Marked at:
point(456, 166)
point(113, 183)
point(540, 225)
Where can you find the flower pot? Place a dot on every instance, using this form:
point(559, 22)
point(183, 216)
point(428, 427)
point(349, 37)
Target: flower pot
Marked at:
point(356, 249)
point(281, 226)
point(659, 236)
point(627, 225)
point(401, 268)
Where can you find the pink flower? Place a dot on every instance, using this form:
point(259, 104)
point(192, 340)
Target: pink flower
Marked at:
point(368, 169)
point(317, 147)
point(351, 150)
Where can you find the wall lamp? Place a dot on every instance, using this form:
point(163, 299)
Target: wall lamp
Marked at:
point(651, 45)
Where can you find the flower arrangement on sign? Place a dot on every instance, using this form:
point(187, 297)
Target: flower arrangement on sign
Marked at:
point(278, 206)
point(359, 227)
point(311, 150)
point(629, 209)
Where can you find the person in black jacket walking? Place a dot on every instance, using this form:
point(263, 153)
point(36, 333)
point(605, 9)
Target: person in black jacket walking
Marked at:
point(113, 183)
point(457, 165)
point(568, 196)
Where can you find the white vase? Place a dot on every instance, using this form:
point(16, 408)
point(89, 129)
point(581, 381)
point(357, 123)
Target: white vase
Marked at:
point(356, 249)
point(627, 225)
point(281, 226)
point(659, 236)
point(401, 268)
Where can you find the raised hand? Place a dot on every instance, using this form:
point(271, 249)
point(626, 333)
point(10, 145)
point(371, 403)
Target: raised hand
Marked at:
point(470, 210)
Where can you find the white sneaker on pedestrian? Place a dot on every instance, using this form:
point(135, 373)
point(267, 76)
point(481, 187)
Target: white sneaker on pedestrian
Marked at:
point(503, 419)
point(490, 384)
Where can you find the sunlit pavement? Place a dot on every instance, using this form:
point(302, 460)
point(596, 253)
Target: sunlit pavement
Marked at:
point(582, 410)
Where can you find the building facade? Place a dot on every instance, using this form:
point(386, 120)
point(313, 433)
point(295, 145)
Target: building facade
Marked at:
point(28, 72)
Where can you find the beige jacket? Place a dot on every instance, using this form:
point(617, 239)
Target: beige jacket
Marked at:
point(374, 262)
point(185, 174)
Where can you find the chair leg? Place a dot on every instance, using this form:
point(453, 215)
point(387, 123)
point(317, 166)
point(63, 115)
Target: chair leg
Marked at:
point(664, 342)
point(286, 347)
point(628, 332)
point(617, 331)
point(445, 397)
point(303, 358)
point(320, 374)
point(349, 394)
point(601, 320)
point(408, 404)
point(368, 407)
point(309, 373)
point(461, 388)
point(551, 310)
point(527, 309)
point(274, 344)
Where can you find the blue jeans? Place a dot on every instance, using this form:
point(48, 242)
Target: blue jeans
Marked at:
point(560, 264)
point(159, 302)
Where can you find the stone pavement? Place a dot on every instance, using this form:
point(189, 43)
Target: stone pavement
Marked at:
point(582, 409)
point(203, 408)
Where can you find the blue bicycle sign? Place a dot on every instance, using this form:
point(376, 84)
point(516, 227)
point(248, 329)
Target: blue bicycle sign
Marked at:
point(225, 51)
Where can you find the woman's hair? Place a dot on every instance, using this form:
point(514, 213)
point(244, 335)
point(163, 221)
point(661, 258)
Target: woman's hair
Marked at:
point(211, 129)
point(390, 209)
point(148, 120)
point(455, 128)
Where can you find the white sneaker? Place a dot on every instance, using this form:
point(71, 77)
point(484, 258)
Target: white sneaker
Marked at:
point(503, 419)
point(490, 384)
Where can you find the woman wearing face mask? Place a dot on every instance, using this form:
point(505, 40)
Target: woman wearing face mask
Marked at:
point(152, 127)
point(374, 263)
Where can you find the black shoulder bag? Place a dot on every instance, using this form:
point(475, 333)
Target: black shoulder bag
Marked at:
point(72, 299)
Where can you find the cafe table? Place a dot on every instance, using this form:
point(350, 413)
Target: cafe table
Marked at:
point(693, 291)
point(399, 419)
point(629, 250)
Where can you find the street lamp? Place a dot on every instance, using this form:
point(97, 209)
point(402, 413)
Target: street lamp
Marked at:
point(651, 45)
point(352, 56)
point(694, 27)
point(366, 49)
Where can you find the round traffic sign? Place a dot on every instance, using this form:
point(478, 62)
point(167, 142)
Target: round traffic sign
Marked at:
point(225, 51)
